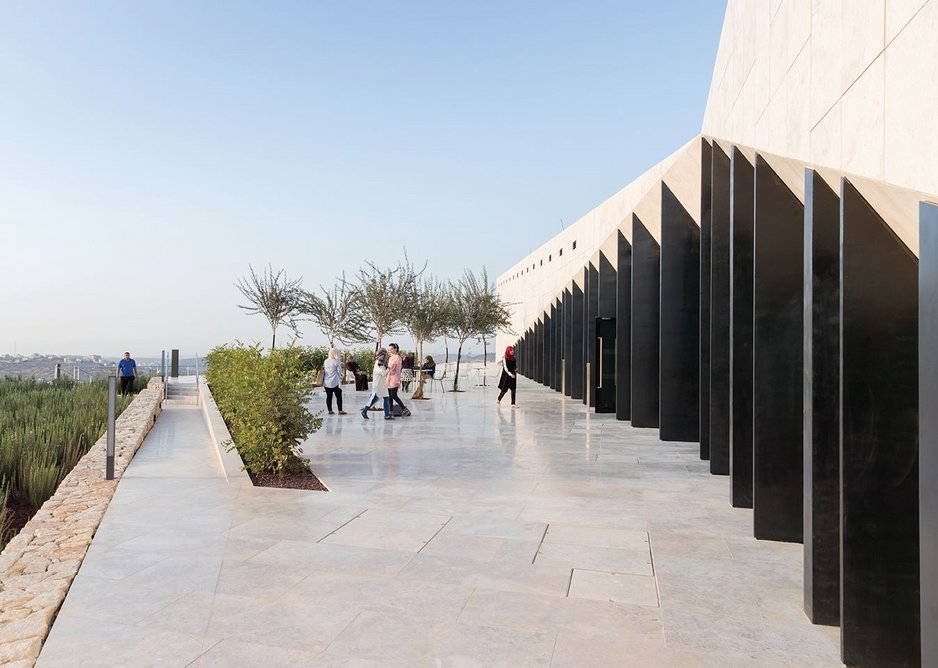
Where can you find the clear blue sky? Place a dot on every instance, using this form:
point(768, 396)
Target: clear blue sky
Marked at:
point(150, 151)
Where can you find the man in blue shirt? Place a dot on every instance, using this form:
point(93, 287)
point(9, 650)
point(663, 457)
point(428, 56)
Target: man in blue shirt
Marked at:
point(127, 372)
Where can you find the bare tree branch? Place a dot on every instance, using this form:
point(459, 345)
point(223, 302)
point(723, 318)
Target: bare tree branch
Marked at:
point(337, 312)
point(474, 310)
point(272, 295)
point(383, 296)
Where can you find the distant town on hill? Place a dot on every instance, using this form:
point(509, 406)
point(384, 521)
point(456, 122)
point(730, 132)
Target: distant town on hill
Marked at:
point(79, 367)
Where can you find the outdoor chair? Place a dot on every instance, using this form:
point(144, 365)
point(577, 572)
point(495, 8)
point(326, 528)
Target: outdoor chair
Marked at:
point(407, 377)
point(439, 377)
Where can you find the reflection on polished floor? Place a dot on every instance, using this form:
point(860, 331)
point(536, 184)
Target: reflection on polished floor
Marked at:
point(465, 535)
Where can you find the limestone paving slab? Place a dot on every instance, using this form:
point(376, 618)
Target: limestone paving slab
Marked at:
point(38, 565)
point(465, 535)
point(617, 587)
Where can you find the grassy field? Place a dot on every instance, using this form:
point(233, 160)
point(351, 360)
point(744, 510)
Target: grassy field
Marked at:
point(45, 428)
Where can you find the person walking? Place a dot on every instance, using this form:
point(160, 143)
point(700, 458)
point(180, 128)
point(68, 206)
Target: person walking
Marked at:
point(332, 380)
point(509, 377)
point(127, 372)
point(394, 379)
point(380, 387)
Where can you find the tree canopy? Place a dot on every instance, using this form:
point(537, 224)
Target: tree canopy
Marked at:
point(273, 295)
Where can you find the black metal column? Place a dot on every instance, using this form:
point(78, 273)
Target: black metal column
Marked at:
point(624, 330)
point(521, 354)
point(821, 401)
point(554, 344)
point(646, 282)
point(567, 340)
point(705, 271)
point(778, 359)
point(608, 287)
point(548, 345)
point(928, 426)
point(880, 600)
point(741, 248)
point(577, 372)
point(539, 352)
point(528, 363)
point(591, 306)
point(720, 312)
point(680, 321)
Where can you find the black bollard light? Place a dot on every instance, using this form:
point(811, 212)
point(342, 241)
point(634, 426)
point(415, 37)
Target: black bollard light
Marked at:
point(111, 427)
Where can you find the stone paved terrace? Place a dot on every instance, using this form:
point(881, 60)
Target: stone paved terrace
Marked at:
point(465, 535)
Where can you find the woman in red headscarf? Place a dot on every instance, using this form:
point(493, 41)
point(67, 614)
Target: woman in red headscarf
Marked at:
point(509, 378)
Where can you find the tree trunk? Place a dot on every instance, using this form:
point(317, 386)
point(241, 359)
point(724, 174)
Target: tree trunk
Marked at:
point(485, 358)
point(273, 340)
point(418, 392)
point(456, 377)
point(446, 344)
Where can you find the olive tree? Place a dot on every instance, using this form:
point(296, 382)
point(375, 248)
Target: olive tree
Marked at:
point(474, 310)
point(425, 315)
point(273, 295)
point(337, 312)
point(494, 314)
point(382, 294)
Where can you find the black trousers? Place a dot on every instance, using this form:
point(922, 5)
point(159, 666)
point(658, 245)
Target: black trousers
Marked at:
point(337, 391)
point(392, 395)
point(504, 390)
point(127, 385)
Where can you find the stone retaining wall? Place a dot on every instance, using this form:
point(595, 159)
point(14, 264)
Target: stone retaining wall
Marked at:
point(230, 461)
point(38, 565)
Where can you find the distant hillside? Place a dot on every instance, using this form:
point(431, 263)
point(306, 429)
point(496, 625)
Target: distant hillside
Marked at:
point(81, 367)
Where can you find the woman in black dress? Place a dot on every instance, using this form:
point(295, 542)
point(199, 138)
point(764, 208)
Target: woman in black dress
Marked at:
point(428, 369)
point(509, 378)
point(361, 378)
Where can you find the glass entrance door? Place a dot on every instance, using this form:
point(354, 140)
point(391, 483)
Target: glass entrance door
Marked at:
point(605, 375)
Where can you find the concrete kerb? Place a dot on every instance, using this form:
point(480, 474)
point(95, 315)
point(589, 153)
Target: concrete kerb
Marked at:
point(38, 565)
point(230, 460)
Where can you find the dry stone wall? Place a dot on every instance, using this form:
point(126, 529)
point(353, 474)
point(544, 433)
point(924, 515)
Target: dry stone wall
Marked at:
point(38, 565)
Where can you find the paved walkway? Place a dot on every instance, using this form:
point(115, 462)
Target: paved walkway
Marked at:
point(462, 536)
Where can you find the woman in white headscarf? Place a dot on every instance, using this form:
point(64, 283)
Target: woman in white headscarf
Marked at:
point(332, 380)
point(380, 385)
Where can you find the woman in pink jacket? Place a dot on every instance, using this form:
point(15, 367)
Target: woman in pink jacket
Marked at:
point(394, 379)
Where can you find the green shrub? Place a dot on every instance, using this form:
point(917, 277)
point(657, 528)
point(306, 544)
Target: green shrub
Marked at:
point(45, 428)
point(263, 399)
point(313, 357)
point(38, 477)
point(5, 527)
point(365, 357)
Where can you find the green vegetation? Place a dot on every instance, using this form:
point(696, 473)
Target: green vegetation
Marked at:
point(382, 302)
point(365, 357)
point(315, 356)
point(45, 428)
point(263, 399)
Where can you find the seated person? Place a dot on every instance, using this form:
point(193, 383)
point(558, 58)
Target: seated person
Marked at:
point(361, 378)
point(407, 371)
point(428, 368)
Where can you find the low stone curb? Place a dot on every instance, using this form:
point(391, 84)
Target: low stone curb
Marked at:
point(38, 565)
point(230, 460)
